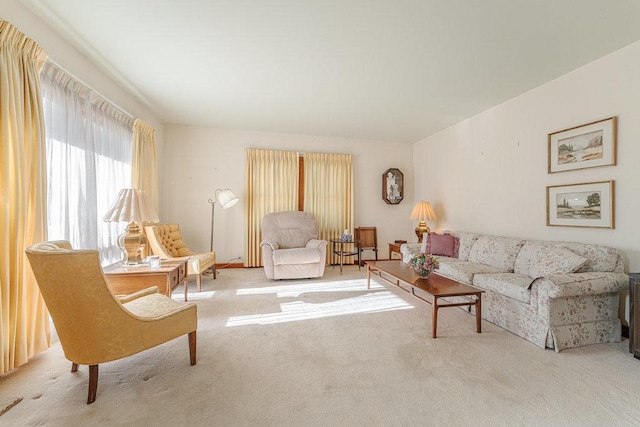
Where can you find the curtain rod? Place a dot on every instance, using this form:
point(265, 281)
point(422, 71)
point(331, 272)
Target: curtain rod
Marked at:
point(125, 112)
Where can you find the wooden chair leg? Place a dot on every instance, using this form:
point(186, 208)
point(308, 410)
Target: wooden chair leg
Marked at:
point(192, 347)
point(74, 367)
point(93, 383)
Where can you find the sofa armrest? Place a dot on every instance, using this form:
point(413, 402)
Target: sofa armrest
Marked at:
point(408, 250)
point(589, 283)
point(271, 244)
point(315, 243)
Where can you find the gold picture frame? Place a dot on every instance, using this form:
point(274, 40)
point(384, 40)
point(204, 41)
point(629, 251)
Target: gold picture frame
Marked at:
point(585, 146)
point(590, 204)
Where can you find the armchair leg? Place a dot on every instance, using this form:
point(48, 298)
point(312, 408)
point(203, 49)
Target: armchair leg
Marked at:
point(74, 367)
point(93, 383)
point(213, 268)
point(192, 347)
point(199, 281)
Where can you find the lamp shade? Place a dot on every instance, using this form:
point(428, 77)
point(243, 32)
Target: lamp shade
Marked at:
point(423, 211)
point(227, 198)
point(131, 205)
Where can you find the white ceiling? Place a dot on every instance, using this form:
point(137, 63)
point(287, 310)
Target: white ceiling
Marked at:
point(372, 69)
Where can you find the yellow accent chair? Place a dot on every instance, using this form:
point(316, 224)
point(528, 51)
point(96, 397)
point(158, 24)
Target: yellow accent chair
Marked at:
point(95, 326)
point(166, 241)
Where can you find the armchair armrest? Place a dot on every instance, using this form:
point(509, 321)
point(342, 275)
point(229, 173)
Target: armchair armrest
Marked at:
point(315, 243)
point(137, 294)
point(273, 245)
point(589, 283)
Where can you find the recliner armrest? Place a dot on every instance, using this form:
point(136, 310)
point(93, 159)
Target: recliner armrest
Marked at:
point(273, 245)
point(316, 244)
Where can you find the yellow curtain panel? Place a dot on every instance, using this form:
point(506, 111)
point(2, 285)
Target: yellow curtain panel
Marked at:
point(144, 169)
point(271, 184)
point(24, 320)
point(328, 192)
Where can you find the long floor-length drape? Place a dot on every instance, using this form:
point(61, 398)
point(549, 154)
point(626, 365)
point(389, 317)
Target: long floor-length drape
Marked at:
point(328, 192)
point(24, 320)
point(271, 186)
point(144, 168)
point(89, 146)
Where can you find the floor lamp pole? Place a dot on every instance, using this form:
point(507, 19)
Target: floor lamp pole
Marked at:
point(213, 212)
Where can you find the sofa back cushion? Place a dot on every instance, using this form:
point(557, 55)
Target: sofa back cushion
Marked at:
point(598, 258)
point(466, 243)
point(555, 260)
point(498, 252)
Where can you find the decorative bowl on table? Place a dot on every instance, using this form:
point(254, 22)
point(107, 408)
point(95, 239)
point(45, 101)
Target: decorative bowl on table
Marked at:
point(424, 264)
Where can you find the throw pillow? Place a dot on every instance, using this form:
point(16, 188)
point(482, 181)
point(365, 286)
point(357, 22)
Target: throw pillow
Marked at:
point(442, 244)
point(555, 261)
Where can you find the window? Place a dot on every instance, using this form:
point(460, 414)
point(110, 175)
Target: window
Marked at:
point(88, 143)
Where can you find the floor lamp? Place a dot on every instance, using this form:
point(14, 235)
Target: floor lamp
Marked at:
point(226, 198)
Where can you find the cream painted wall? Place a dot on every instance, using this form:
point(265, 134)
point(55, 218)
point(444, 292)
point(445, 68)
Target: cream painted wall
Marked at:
point(489, 173)
point(201, 159)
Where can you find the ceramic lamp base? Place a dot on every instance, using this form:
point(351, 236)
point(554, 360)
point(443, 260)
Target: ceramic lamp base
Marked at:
point(132, 242)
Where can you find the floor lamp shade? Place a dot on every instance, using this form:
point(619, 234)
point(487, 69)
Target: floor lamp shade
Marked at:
point(226, 198)
point(131, 206)
point(422, 212)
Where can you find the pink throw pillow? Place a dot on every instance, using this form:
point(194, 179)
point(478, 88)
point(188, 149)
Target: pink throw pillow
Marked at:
point(443, 244)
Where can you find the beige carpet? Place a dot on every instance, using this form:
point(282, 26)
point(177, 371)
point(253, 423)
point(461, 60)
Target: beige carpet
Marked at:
point(328, 352)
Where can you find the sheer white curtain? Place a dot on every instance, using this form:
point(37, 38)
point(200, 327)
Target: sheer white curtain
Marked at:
point(88, 161)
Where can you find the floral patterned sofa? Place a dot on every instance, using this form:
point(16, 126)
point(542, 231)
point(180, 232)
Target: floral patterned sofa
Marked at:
point(555, 294)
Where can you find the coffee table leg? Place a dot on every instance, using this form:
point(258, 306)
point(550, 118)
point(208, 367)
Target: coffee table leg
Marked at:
point(434, 318)
point(479, 313)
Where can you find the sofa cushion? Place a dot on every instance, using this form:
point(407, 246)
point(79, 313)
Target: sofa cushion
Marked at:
point(466, 243)
point(498, 252)
point(599, 258)
point(463, 271)
point(512, 285)
point(296, 256)
point(555, 261)
point(443, 244)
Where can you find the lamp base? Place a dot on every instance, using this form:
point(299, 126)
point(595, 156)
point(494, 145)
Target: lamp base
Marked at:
point(132, 242)
point(421, 229)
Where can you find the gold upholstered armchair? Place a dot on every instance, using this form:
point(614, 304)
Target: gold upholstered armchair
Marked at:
point(166, 241)
point(95, 326)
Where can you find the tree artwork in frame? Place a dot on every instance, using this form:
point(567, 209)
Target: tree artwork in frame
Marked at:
point(585, 146)
point(581, 205)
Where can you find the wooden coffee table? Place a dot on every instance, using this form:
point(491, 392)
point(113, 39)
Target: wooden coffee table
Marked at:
point(435, 285)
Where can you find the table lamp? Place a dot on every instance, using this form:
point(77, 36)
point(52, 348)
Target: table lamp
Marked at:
point(131, 206)
point(422, 212)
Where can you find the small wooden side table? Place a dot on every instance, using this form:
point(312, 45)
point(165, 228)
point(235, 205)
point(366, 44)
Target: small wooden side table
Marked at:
point(394, 247)
point(338, 249)
point(123, 279)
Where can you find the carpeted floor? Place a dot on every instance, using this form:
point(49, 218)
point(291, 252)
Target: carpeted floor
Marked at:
point(329, 352)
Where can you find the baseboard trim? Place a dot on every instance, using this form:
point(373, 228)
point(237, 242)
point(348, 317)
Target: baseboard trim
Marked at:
point(232, 265)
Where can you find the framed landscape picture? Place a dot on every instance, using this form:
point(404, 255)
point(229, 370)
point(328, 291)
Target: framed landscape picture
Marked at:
point(585, 146)
point(581, 205)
